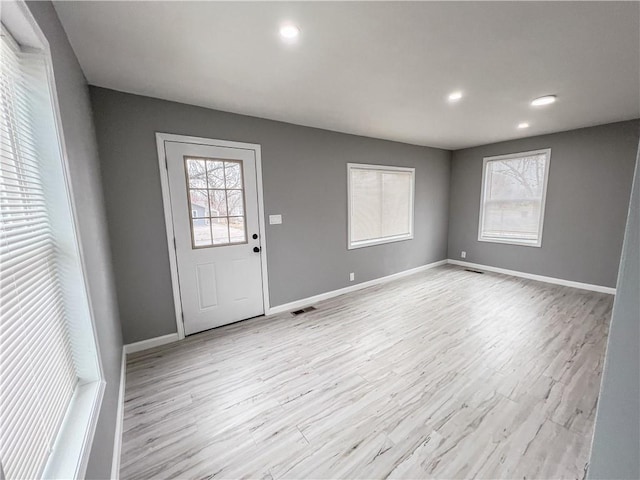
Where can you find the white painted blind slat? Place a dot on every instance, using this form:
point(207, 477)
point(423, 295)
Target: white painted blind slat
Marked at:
point(37, 372)
point(380, 204)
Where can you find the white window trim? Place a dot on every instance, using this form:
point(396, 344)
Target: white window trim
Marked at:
point(379, 241)
point(520, 242)
point(70, 454)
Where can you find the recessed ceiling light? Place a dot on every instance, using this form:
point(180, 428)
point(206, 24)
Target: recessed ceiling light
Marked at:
point(455, 96)
point(546, 100)
point(289, 32)
point(523, 125)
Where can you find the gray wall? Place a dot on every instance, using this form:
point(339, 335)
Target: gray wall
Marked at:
point(79, 134)
point(587, 197)
point(616, 442)
point(304, 171)
point(304, 177)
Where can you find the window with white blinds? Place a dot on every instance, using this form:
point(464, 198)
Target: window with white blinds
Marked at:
point(39, 373)
point(380, 206)
point(513, 196)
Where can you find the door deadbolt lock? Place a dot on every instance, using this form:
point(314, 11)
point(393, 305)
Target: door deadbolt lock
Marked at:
point(254, 236)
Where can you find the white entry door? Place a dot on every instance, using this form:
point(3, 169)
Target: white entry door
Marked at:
point(214, 204)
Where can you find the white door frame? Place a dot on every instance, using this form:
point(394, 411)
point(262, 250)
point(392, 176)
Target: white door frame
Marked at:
point(161, 138)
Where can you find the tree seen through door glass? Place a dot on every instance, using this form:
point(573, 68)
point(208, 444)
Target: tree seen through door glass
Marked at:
point(215, 174)
point(197, 173)
point(216, 202)
point(234, 201)
point(233, 175)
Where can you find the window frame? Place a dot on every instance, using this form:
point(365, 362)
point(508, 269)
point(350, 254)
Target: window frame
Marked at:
point(210, 217)
point(510, 156)
point(70, 452)
point(351, 245)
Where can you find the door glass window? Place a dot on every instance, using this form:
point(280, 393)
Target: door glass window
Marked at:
point(216, 202)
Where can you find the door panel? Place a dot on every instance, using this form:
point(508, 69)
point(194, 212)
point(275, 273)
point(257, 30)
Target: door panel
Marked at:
point(214, 203)
point(207, 290)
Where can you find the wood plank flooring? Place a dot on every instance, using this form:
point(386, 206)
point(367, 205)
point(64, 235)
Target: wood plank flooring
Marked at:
point(444, 374)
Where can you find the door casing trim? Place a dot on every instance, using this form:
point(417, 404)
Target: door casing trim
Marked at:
point(161, 139)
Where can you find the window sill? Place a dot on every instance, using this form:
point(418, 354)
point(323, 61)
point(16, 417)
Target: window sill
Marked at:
point(71, 450)
point(380, 241)
point(509, 241)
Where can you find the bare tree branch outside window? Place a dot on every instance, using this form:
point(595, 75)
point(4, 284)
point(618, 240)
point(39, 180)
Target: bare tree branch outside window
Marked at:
point(216, 201)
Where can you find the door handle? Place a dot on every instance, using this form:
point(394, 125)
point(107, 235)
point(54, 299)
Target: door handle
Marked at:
point(256, 249)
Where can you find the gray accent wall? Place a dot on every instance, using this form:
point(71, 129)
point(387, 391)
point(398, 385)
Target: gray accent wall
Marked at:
point(590, 178)
point(79, 135)
point(615, 452)
point(304, 178)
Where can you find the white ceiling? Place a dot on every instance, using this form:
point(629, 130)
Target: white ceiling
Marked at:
point(376, 69)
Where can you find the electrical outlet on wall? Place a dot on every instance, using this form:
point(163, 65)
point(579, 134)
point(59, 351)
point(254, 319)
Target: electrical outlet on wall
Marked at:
point(352, 277)
point(463, 254)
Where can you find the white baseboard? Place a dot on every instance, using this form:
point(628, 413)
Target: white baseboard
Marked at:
point(117, 437)
point(539, 278)
point(304, 302)
point(352, 288)
point(150, 343)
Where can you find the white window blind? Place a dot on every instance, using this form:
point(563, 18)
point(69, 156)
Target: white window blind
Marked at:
point(380, 204)
point(513, 197)
point(37, 371)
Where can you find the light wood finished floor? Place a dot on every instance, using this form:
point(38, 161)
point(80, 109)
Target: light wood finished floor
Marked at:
point(444, 374)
